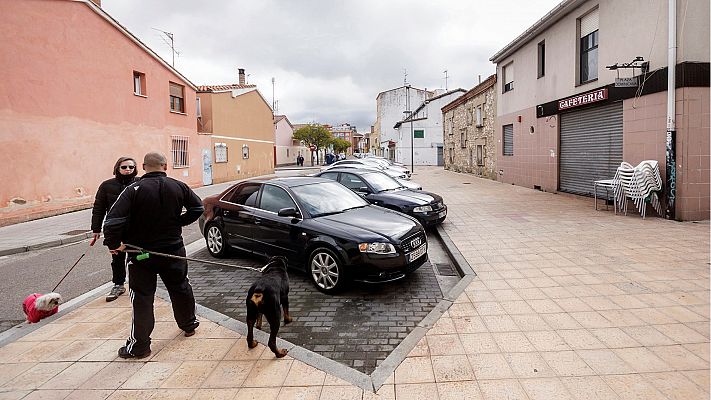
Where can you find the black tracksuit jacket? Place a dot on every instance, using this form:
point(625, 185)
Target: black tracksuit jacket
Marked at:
point(149, 214)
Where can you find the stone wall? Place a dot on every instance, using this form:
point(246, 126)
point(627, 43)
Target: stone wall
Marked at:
point(460, 126)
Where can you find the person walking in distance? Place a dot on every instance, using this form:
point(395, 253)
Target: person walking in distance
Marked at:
point(149, 214)
point(109, 190)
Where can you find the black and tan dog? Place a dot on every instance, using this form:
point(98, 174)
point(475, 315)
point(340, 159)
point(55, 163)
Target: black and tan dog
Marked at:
point(267, 297)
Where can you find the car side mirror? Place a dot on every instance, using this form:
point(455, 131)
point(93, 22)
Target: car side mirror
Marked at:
point(364, 190)
point(288, 212)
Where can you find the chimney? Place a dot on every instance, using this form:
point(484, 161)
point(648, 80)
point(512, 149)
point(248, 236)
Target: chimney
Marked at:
point(241, 76)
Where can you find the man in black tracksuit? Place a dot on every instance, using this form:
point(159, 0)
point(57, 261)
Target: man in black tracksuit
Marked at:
point(149, 214)
point(106, 195)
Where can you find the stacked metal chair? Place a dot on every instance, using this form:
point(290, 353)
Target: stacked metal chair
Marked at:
point(641, 184)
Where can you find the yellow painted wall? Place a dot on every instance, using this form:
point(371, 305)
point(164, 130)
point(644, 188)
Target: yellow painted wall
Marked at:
point(239, 121)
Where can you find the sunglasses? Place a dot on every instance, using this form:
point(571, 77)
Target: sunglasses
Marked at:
point(128, 167)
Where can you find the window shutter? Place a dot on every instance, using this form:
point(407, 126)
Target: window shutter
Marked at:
point(589, 23)
point(176, 90)
point(508, 140)
point(508, 73)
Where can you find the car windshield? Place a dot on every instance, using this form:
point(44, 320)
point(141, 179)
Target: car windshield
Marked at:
point(327, 198)
point(381, 182)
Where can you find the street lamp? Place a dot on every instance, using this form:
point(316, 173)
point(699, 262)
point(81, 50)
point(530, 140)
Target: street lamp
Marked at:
point(408, 112)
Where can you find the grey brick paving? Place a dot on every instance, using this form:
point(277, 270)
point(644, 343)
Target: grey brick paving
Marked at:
point(359, 327)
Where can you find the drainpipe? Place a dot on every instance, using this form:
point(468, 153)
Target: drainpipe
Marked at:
point(671, 115)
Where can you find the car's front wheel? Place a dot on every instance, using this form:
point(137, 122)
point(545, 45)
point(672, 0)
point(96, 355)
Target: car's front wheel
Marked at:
point(216, 241)
point(326, 271)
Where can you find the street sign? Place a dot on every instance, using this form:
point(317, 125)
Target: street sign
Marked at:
point(626, 82)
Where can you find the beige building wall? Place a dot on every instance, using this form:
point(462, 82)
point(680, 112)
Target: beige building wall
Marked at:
point(244, 120)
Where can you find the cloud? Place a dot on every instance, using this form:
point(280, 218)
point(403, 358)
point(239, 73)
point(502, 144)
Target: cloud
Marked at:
point(330, 59)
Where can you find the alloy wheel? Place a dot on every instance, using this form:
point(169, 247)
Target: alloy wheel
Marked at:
point(214, 240)
point(324, 270)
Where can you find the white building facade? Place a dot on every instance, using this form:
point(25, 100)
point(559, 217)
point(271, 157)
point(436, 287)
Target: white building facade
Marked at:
point(425, 130)
point(391, 105)
point(286, 148)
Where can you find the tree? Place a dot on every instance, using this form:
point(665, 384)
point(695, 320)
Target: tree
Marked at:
point(340, 145)
point(314, 135)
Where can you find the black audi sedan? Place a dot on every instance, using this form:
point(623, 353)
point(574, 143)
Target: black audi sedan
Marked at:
point(319, 225)
point(382, 190)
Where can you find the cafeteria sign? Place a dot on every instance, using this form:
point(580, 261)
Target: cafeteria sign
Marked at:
point(583, 99)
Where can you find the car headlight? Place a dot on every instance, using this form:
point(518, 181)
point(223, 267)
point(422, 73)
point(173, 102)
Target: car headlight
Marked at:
point(378, 248)
point(422, 209)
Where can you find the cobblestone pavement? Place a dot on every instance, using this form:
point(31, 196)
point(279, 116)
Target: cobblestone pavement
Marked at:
point(358, 327)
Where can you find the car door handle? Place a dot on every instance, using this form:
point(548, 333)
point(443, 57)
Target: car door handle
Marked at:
point(257, 220)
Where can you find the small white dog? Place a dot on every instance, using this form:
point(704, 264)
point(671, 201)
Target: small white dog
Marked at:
point(38, 306)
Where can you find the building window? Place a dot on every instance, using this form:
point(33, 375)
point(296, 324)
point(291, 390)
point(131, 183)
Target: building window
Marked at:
point(179, 151)
point(508, 74)
point(588, 26)
point(508, 140)
point(245, 151)
point(220, 152)
point(463, 137)
point(177, 96)
point(451, 155)
point(139, 83)
point(479, 118)
point(198, 108)
point(419, 133)
point(480, 154)
point(542, 59)
point(470, 117)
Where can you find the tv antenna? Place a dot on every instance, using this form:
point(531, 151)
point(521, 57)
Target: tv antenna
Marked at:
point(404, 71)
point(446, 76)
point(171, 44)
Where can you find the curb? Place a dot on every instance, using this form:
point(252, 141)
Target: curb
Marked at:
point(46, 245)
point(370, 383)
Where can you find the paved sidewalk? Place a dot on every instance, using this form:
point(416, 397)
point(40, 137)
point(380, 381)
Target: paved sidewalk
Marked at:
point(568, 303)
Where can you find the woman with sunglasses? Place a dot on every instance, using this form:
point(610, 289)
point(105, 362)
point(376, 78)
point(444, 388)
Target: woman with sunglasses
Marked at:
point(124, 175)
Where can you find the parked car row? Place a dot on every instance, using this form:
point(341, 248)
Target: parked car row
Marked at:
point(347, 224)
point(379, 189)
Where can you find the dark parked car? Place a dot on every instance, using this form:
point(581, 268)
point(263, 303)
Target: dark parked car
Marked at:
point(319, 225)
point(382, 190)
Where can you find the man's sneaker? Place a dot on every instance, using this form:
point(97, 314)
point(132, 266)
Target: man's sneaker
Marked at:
point(191, 331)
point(123, 353)
point(116, 291)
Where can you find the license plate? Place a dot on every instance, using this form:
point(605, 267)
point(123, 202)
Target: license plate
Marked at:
point(442, 214)
point(417, 253)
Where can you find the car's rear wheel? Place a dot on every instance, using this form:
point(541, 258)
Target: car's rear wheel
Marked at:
point(216, 241)
point(326, 271)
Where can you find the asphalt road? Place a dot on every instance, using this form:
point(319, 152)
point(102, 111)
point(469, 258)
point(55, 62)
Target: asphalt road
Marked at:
point(39, 271)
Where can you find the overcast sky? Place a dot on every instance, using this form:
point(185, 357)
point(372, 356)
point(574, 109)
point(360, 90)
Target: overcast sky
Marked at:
point(331, 58)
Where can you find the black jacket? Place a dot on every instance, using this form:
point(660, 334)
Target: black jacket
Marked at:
point(106, 196)
point(149, 214)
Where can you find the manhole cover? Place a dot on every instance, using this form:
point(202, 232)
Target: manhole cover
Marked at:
point(75, 232)
point(445, 270)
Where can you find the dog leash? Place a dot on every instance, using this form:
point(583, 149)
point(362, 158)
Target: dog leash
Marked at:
point(143, 254)
point(70, 270)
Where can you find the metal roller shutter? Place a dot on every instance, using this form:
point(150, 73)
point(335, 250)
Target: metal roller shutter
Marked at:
point(590, 147)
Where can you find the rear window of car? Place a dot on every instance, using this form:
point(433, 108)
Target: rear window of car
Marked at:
point(245, 194)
